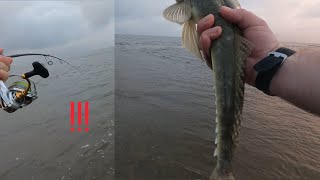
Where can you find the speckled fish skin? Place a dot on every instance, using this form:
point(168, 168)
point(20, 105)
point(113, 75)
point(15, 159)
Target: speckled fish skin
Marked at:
point(228, 70)
point(228, 54)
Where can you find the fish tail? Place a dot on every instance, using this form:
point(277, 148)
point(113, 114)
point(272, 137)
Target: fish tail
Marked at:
point(226, 134)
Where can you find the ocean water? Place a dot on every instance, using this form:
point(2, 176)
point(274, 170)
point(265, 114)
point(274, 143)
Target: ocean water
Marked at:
point(165, 114)
point(36, 142)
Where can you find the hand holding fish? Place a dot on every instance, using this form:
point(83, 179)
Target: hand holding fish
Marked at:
point(228, 55)
point(255, 29)
point(4, 66)
point(232, 48)
point(287, 83)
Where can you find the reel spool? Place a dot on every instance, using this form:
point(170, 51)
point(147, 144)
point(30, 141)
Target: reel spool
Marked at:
point(21, 93)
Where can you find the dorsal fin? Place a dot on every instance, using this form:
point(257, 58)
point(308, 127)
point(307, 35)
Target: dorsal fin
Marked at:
point(190, 39)
point(178, 13)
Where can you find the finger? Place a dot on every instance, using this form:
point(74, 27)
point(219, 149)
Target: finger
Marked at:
point(205, 43)
point(6, 60)
point(205, 23)
point(3, 75)
point(243, 18)
point(1, 51)
point(206, 38)
point(4, 67)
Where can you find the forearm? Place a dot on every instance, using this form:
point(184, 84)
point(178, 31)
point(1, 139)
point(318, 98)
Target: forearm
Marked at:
point(298, 80)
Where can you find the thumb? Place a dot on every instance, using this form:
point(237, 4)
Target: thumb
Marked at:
point(241, 17)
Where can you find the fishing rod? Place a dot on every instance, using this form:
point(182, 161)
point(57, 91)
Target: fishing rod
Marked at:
point(21, 93)
point(49, 62)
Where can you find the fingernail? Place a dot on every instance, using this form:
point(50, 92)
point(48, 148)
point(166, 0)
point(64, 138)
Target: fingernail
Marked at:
point(226, 8)
point(205, 19)
point(214, 30)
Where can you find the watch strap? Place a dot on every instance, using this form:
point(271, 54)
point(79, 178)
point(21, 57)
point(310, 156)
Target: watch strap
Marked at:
point(269, 66)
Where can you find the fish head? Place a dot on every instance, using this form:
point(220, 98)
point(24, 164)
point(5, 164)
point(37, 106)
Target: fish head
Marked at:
point(188, 13)
point(202, 8)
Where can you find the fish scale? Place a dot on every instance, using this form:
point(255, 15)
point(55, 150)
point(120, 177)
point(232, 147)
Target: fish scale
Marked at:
point(228, 54)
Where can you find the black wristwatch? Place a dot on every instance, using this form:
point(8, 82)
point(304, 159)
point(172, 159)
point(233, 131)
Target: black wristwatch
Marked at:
point(269, 66)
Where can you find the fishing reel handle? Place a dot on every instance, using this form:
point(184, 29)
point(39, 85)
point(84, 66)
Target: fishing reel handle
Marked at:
point(38, 69)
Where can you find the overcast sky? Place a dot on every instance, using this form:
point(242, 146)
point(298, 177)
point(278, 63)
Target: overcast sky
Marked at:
point(291, 20)
point(34, 25)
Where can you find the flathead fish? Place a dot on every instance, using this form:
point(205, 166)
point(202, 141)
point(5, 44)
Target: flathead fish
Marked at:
point(228, 54)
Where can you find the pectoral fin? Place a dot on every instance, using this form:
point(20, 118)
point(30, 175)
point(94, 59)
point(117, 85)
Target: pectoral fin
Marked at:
point(190, 39)
point(178, 13)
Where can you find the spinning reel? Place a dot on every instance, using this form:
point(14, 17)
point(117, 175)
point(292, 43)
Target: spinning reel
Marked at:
point(21, 93)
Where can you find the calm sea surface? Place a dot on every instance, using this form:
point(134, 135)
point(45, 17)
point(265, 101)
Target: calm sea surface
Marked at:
point(165, 114)
point(36, 142)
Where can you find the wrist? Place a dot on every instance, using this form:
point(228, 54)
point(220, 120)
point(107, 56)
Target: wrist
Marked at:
point(279, 80)
point(251, 62)
point(269, 66)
